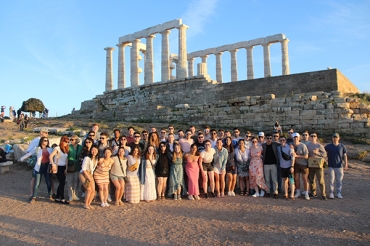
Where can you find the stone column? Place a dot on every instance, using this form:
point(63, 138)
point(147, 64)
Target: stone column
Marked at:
point(191, 66)
point(134, 60)
point(202, 69)
point(266, 60)
point(182, 57)
point(219, 67)
point(250, 69)
point(204, 61)
point(149, 63)
point(165, 76)
point(121, 66)
point(109, 69)
point(234, 66)
point(285, 57)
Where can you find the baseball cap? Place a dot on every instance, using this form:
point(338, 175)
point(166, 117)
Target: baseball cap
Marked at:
point(296, 134)
point(44, 129)
point(261, 134)
point(336, 135)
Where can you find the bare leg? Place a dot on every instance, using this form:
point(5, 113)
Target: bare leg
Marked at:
point(212, 181)
point(217, 183)
point(222, 182)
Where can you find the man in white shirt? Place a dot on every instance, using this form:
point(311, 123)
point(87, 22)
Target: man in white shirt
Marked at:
point(44, 132)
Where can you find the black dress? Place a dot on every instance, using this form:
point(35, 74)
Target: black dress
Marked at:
point(162, 169)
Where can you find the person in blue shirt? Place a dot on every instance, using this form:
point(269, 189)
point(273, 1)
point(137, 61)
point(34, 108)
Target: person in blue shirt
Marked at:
point(337, 154)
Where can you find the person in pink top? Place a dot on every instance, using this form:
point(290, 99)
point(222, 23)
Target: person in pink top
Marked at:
point(192, 168)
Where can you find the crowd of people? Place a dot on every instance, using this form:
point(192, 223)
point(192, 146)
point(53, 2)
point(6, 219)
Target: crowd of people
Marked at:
point(157, 165)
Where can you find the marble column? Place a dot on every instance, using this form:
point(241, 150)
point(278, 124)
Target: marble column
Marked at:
point(234, 65)
point(202, 69)
point(266, 60)
point(149, 63)
point(191, 66)
point(109, 69)
point(250, 69)
point(182, 56)
point(204, 61)
point(219, 67)
point(121, 66)
point(165, 76)
point(285, 57)
point(134, 60)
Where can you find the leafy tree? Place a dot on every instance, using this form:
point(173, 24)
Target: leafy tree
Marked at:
point(33, 105)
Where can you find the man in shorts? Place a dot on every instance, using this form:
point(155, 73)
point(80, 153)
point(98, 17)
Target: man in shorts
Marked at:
point(300, 166)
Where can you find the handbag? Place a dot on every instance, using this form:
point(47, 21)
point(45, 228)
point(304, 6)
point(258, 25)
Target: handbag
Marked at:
point(316, 162)
point(33, 159)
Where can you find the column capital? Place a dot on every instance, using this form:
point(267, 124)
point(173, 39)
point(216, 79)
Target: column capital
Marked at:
point(233, 51)
point(284, 40)
point(266, 44)
point(191, 59)
point(205, 56)
point(183, 26)
point(249, 47)
point(151, 36)
point(165, 32)
point(108, 48)
point(219, 53)
point(122, 45)
point(136, 41)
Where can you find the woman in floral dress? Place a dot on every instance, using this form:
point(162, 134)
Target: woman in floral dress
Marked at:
point(256, 178)
point(177, 182)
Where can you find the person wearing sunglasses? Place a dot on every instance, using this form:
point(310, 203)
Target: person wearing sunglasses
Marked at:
point(186, 142)
point(59, 158)
point(300, 166)
point(286, 159)
point(103, 143)
point(74, 167)
point(242, 162)
point(337, 162)
point(270, 165)
point(230, 167)
point(276, 137)
point(256, 179)
point(315, 149)
point(306, 138)
point(213, 138)
point(162, 169)
point(123, 144)
point(176, 184)
point(248, 139)
point(42, 152)
point(289, 139)
point(114, 141)
point(206, 158)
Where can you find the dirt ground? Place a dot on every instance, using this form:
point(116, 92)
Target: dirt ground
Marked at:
point(217, 221)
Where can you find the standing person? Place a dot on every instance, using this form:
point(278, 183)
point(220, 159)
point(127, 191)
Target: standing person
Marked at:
point(300, 166)
point(74, 167)
point(144, 138)
point(248, 139)
point(316, 150)
point(163, 136)
point(123, 144)
point(186, 142)
point(206, 158)
point(101, 175)
point(114, 141)
point(146, 175)
point(19, 111)
point(118, 174)
point(286, 160)
point(42, 152)
point(136, 142)
point(236, 137)
point(261, 138)
point(256, 174)
point(289, 139)
point(194, 136)
point(154, 140)
point(162, 169)
point(130, 136)
point(270, 165)
point(230, 167)
point(176, 181)
point(221, 134)
point(242, 163)
point(180, 134)
point(207, 134)
point(219, 167)
point(170, 141)
point(89, 164)
point(200, 142)
point(103, 143)
point(305, 138)
point(192, 168)
point(337, 154)
point(61, 160)
point(213, 138)
point(86, 148)
point(276, 137)
point(133, 183)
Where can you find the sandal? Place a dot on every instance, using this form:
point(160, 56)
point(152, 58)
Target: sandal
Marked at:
point(86, 207)
point(64, 201)
point(242, 193)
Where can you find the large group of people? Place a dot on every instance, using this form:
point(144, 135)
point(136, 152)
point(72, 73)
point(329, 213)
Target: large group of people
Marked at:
point(151, 165)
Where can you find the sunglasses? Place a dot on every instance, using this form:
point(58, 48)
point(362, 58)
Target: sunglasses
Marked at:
point(305, 134)
point(163, 146)
point(73, 139)
point(268, 138)
point(236, 132)
point(200, 137)
point(248, 136)
point(163, 132)
point(282, 140)
point(136, 136)
point(276, 136)
point(45, 140)
point(88, 142)
point(254, 141)
point(214, 133)
point(290, 132)
point(102, 138)
point(123, 139)
point(91, 135)
point(313, 136)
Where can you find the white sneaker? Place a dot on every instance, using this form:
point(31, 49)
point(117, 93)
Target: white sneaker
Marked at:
point(106, 204)
point(331, 196)
point(339, 196)
point(229, 193)
point(256, 194)
point(179, 197)
point(306, 196)
point(109, 198)
point(76, 198)
point(175, 197)
point(70, 199)
point(103, 204)
point(262, 193)
point(191, 197)
point(232, 193)
point(197, 197)
point(297, 193)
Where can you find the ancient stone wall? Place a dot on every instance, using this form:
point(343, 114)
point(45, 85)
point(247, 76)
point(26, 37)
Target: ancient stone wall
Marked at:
point(315, 100)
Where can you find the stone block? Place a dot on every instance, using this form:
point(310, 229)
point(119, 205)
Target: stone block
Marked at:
point(329, 105)
point(268, 97)
point(319, 106)
point(342, 105)
point(182, 106)
point(308, 112)
point(4, 166)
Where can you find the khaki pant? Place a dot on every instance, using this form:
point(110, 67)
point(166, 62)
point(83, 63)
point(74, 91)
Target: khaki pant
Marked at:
point(268, 170)
point(319, 172)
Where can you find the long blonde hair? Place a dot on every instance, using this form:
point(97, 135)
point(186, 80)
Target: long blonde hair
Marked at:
point(175, 155)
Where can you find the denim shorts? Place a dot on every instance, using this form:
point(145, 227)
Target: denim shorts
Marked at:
point(207, 167)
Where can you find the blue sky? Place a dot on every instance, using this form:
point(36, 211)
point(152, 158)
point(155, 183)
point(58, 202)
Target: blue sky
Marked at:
point(54, 50)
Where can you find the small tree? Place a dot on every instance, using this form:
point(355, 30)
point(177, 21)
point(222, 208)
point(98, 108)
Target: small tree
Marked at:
point(33, 105)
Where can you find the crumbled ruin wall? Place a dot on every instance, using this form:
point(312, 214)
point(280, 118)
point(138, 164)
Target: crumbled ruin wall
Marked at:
point(315, 100)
